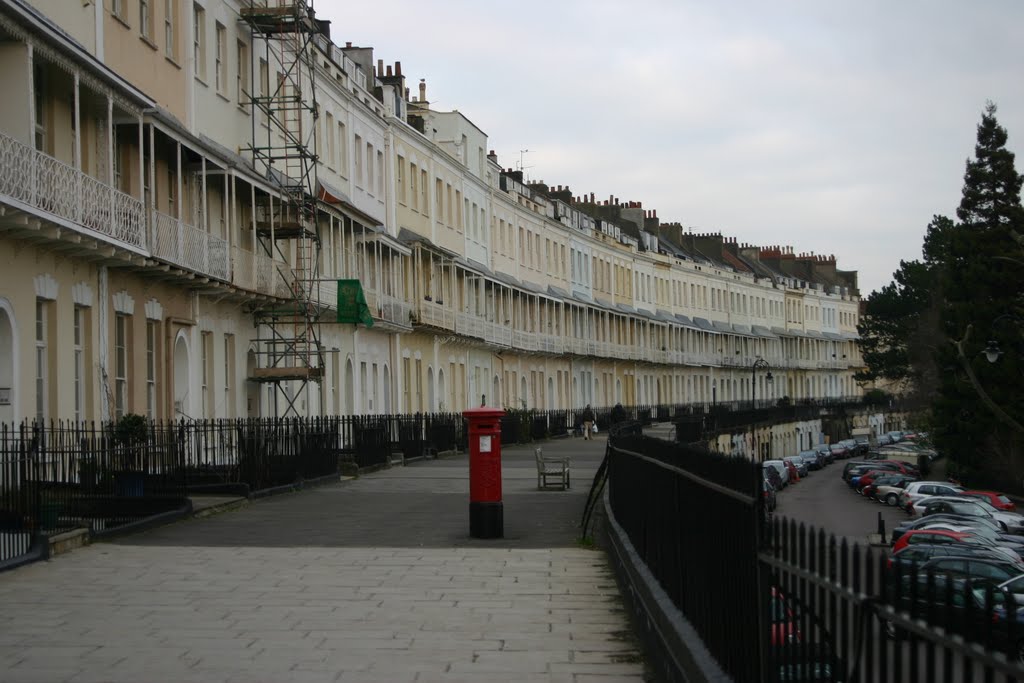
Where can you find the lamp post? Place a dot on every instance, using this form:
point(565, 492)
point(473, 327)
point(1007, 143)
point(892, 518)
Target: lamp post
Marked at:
point(714, 391)
point(762, 364)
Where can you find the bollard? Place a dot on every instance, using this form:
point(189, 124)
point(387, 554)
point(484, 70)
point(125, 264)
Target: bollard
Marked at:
point(881, 526)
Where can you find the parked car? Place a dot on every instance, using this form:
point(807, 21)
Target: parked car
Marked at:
point(999, 537)
point(923, 489)
point(914, 557)
point(922, 522)
point(915, 536)
point(999, 501)
point(962, 605)
point(826, 452)
point(773, 477)
point(813, 459)
point(855, 447)
point(868, 478)
point(839, 451)
point(1010, 521)
point(887, 489)
point(779, 466)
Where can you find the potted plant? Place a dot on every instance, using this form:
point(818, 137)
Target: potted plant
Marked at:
point(130, 433)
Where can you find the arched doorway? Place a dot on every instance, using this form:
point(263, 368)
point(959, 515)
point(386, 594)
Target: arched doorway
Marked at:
point(182, 407)
point(440, 390)
point(252, 388)
point(8, 362)
point(431, 405)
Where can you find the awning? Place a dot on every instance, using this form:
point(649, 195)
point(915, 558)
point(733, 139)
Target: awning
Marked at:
point(850, 336)
point(557, 291)
point(685, 321)
point(833, 336)
point(626, 308)
point(704, 324)
point(743, 330)
point(407, 236)
point(665, 316)
point(332, 195)
point(722, 327)
point(763, 332)
point(506, 279)
point(472, 265)
point(813, 334)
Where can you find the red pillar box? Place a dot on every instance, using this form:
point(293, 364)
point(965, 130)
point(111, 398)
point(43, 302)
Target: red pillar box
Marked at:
point(486, 511)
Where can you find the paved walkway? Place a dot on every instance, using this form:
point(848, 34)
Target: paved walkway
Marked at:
point(371, 579)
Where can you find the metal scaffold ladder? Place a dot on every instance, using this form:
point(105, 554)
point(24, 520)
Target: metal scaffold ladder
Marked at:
point(284, 116)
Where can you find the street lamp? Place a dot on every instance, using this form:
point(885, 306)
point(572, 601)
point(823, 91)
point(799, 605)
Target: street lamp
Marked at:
point(762, 364)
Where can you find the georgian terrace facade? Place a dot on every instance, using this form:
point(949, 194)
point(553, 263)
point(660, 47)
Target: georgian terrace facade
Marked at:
point(133, 259)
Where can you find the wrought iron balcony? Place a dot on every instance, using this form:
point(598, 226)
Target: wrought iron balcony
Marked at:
point(185, 245)
point(42, 182)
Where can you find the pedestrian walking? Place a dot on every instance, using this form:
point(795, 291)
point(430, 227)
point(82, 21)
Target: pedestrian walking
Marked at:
point(587, 416)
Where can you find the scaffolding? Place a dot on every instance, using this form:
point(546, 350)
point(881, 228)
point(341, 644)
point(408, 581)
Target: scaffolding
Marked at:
point(284, 125)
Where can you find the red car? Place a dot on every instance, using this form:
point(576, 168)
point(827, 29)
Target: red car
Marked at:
point(915, 536)
point(1000, 501)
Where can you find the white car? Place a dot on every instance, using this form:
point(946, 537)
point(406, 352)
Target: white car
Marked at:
point(1010, 521)
point(917, 490)
point(779, 467)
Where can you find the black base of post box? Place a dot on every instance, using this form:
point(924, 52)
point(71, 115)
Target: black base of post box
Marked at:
point(487, 520)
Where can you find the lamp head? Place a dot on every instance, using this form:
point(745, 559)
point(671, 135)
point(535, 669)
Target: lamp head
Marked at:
point(992, 351)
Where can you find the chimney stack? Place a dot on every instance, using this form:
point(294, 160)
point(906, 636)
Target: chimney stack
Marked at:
point(380, 68)
point(398, 68)
point(423, 90)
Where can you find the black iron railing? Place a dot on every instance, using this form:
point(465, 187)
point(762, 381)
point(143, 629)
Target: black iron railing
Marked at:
point(814, 606)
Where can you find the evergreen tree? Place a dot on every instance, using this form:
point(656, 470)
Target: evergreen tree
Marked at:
point(891, 320)
point(977, 285)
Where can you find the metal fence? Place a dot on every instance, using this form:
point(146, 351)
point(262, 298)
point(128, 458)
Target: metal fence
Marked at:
point(774, 601)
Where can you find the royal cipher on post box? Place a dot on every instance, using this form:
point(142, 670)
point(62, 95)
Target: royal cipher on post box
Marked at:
point(486, 513)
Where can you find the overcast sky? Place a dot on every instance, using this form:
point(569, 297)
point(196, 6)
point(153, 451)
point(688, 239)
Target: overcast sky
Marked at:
point(835, 127)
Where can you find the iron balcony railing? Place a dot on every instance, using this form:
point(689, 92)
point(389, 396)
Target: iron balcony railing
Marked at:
point(185, 245)
point(42, 182)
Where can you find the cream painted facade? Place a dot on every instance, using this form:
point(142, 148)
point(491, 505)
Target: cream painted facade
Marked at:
point(132, 258)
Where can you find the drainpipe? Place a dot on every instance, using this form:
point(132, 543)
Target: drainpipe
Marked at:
point(104, 341)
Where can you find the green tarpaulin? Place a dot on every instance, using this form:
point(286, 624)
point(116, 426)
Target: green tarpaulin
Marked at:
point(352, 306)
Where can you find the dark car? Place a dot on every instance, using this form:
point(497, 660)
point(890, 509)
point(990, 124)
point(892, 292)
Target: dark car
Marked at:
point(839, 451)
point(914, 557)
point(770, 499)
point(773, 477)
point(981, 610)
point(812, 459)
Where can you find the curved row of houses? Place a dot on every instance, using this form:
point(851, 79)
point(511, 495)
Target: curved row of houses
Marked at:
point(134, 255)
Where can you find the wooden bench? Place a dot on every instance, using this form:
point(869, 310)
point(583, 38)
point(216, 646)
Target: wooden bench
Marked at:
point(551, 472)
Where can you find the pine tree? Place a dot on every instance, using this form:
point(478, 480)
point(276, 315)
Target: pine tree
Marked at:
point(978, 286)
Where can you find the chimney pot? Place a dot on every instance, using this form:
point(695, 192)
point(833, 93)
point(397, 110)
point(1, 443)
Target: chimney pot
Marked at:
point(380, 67)
point(348, 43)
point(423, 92)
point(389, 69)
point(398, 68)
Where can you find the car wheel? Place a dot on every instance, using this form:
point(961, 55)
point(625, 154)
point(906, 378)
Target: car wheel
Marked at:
point(1003, 526)
point(892, 500)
